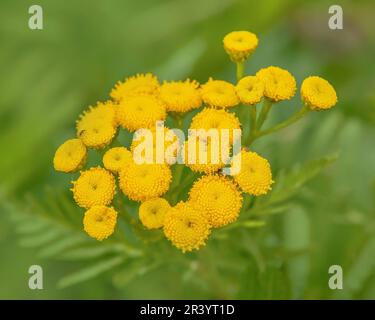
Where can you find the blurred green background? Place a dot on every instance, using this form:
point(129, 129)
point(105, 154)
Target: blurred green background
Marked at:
point(49, 76)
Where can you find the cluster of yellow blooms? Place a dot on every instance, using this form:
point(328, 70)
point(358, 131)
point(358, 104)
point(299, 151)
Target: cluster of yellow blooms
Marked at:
point(215, 200)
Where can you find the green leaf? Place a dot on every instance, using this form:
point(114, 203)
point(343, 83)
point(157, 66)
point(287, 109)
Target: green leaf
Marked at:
point(40, 239)
point(91, 252)
point(132, 271)
point(90, 272)
point(60, 245)
point(362, 269)
point(290, 183)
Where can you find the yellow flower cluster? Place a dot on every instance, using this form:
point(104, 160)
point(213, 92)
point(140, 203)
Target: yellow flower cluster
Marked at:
point(139, 102)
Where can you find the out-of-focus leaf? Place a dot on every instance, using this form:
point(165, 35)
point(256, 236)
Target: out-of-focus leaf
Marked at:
point(291, 182)
point(362, 269)
point(297, 238)
point(90, 252)
point(133, 270)
point(90, 272)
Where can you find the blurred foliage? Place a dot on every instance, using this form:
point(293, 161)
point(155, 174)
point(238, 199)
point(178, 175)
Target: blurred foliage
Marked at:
point(328, 212)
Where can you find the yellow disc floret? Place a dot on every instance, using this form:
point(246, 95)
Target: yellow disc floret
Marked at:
point(279, 84)
point(219, 93)
point(318, 93)
point(95, 186)
point(181, 96)
point(219, 197)
point(152, 212)
point(140, 112)
point(240, 44)
point(136, 85)
point(141, 182)
point(99, 222)
point(255, 176)
point(70, 156)
point(117, 158)
point(250, 90)
point(186, 227)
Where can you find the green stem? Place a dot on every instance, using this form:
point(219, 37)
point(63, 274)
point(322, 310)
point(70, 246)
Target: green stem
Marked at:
point(177, 119)
point(266, 107)
point(176, 182)
point(294, 118)
point(253, 120)
point(240, 68)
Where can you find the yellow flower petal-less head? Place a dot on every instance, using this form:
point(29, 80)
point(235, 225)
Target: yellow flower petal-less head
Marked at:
point(139, 84)
point(186, 227)
point(167, 142)
point(240, 44)
point(204, 161)
point(250, 90)
point(99, 222)
point(70, 156)
point(219, 197)
point(210, 118)
point(255, 176)
point(181, 96)
point(152, 212)
point(97, 133)
point(105, 111)
point(140, 112)
point(141, 182)
point(117, 158)
point(318, 93)
point(279, 84)
point(219, 94)
point(95, 186)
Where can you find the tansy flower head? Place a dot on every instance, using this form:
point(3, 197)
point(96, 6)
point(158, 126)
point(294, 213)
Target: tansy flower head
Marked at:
point(240, 44)
point(279, 84)
point(206, 158)
point(219, 93)
point(140, 112)
point(99, 222)
point(141, 182)
point(169, 138)
point(135, 85)
point(95, 186)
point(219, 197)
point(96, 133)
point(102, 111)
point(186, 227)
point(181, 96)
point(70, 156)
point(318, 93)
point(117, 158)
point(255, 176)
point(250, 90)
point(210, 118)
point(152, 212)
